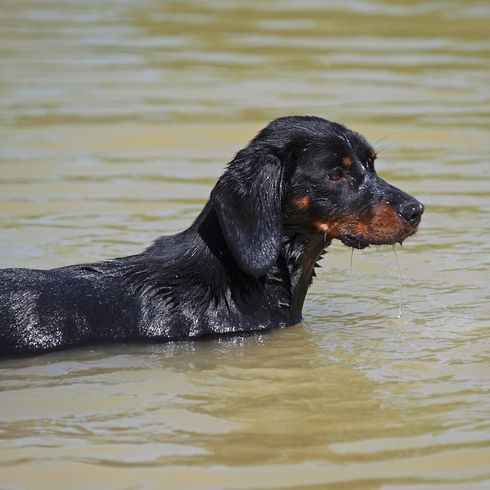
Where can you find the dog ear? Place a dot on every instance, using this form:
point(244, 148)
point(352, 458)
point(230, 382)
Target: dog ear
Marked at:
point(247, 200)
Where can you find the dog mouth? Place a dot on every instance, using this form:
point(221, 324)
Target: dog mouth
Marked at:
point(354, 242)
point(381, 225)
point(360, 242)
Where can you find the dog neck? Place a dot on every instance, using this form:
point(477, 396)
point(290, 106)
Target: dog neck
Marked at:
point(301, 254)
point(204, 258)
point(288, 281)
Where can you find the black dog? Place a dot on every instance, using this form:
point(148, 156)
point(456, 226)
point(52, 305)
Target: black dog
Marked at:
point(244, 265)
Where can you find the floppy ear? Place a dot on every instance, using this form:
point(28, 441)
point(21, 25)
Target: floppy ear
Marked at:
point(247, 200)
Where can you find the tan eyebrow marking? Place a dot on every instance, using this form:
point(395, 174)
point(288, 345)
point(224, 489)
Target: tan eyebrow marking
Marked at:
point(347, 161)
point(302, 202)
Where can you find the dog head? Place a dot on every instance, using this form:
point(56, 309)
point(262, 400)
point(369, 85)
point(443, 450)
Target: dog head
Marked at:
point(307, 175)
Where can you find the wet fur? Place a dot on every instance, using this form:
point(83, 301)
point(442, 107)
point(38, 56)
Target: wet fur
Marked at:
point(244, 265)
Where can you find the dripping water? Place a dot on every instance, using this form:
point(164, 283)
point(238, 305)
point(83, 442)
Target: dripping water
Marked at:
point(400, 279)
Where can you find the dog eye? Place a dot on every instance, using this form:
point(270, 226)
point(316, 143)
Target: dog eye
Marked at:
point(336, 174)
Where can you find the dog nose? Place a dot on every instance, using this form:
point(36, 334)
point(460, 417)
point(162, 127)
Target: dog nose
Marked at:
point(411, 211)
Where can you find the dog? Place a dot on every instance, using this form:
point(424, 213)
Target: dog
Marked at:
point(244, 265)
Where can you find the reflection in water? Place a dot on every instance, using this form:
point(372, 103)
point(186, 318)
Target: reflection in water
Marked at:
point(116, 119)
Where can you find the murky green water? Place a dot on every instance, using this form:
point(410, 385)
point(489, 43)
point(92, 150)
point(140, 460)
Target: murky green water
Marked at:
point(117, 117)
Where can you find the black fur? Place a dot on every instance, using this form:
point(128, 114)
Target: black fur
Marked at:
point(245, 263)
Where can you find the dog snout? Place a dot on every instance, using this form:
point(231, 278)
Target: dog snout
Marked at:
point(411, 212)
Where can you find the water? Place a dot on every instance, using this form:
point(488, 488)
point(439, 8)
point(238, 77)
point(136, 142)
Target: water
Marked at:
point(117, 117)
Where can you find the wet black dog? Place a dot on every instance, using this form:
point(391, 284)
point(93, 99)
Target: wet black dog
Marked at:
point(244, 265)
